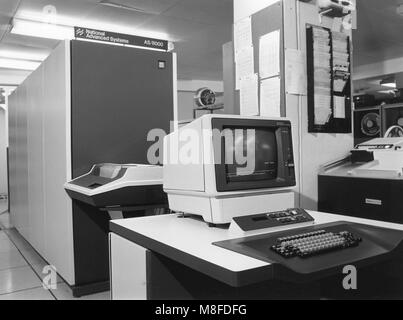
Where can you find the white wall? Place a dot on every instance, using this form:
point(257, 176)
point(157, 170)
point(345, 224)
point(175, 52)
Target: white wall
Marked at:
point(245, 8)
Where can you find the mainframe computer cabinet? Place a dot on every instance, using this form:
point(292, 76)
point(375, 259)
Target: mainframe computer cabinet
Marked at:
point(87, 103)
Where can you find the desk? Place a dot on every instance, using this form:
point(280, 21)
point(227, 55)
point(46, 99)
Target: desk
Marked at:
point(168, 257)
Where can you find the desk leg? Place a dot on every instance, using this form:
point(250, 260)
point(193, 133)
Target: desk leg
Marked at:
point(128, 269)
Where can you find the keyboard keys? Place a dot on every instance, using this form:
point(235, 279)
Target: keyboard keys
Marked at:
point(314, 243)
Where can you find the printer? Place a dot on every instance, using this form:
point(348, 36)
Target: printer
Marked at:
point(109, 192)
point(366, 184)
point(119, 186)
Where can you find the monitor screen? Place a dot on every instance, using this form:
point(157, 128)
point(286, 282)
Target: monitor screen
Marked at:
point(251, 154)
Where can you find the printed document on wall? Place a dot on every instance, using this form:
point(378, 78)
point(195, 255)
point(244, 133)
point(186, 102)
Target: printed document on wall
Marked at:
point(270, 97)
point(296, 78)
point(339, 107)
point(243, 34)
point(249, 96)
point(269, 55)
point(245, 65)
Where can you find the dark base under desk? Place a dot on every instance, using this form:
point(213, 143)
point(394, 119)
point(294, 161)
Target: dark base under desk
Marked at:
point(169, 280)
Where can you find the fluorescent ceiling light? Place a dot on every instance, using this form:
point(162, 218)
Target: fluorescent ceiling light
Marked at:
point(21, 55)
point(389, 92)
point(18, 64)
point(389, 85)
point(123, 6)
point(389, 82)
point(42, 30)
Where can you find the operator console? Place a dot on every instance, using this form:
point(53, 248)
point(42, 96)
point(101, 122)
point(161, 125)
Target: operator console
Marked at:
point(311, 253)
point(272, 221)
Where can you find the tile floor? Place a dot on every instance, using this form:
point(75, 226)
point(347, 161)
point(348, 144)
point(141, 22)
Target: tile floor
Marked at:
point(21, 268)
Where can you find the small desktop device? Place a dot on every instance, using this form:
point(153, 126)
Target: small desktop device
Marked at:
point(221, 167)
point(272, 222)
point(383, 159)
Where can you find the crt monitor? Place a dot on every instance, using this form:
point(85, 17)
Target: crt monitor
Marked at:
point(222, 166)
point(257, 154)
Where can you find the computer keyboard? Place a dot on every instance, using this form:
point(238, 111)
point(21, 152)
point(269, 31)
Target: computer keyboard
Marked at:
point(314, 243)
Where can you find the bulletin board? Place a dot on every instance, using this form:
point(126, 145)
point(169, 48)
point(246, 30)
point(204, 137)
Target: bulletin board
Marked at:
point(264, 22)
point(338, 99)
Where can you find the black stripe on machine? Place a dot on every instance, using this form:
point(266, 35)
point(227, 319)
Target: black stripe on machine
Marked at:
point(118, 38)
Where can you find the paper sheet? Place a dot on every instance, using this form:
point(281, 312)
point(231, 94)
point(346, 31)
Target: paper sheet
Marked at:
point(270, 97)
point(296, 73)
point(339, 107)
point(249, 96)
point(243, 34)
point(245, 65)
point(323, 110)
point(269, 55)
point(337, 24)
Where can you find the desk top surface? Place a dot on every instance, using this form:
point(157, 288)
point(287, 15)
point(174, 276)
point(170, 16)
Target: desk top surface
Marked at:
point(195, 238)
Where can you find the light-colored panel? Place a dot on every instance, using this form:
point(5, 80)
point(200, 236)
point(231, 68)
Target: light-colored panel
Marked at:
point(35, 160)
point(58, 207)
point(128, 270)
point(12, 101)
point(22, 164)
point(40, 161)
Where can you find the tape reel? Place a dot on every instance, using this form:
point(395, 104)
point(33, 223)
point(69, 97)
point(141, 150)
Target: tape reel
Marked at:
point(371, 124)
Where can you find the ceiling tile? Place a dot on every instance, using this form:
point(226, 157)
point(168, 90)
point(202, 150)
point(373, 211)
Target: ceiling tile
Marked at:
point(109, 15)
point(207, 11)
point(178, 29)
point(35, 9)
point(378, 36)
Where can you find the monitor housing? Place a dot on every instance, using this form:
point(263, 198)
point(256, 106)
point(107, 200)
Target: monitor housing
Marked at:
point(199, 179)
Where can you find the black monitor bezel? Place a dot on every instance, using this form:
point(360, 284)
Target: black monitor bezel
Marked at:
point(282, 180)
